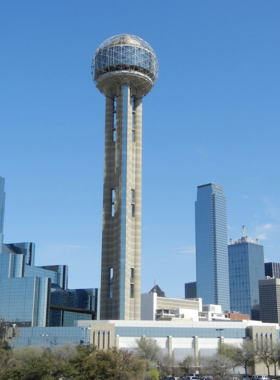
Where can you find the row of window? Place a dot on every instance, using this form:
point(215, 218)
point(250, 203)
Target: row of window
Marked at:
point(111, 276)
point(132, 209)
point(115, 123)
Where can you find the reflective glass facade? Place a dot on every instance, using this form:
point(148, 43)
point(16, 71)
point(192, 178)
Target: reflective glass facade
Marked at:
point(190, 290)
point(246, 268)
point(27, 249)
point(76, 298)
point(272, 270)
point(72, 304)
point(121, 57)
point(2, 210)
point(25, 290)
point(49, 337)
point(212, 274)
point(25, 299)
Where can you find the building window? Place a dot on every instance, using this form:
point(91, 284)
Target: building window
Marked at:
point(113, 202)
point(132, 273)
point(131, 291)
point(111, 275)
point(133, 126)
point(114, 121)
point(132, 202)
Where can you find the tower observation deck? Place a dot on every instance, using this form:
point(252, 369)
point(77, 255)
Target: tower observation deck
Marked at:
point(124, 68)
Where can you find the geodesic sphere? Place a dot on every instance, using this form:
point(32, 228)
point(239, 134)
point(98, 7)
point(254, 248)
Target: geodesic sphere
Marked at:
point(125, 58)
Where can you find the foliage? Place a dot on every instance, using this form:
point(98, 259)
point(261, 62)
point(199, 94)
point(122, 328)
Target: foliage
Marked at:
point(167, 366)
point(151, 375)
point(147, 349)
point(218, 366)
point(116, 363)
point(275, 356)
point(242, 355)
point(268, 353)
point(187, 365)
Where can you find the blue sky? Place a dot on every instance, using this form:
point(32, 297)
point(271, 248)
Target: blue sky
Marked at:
point(213, 116)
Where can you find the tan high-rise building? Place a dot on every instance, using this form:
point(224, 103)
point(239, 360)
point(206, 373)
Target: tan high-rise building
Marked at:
point(124, 68)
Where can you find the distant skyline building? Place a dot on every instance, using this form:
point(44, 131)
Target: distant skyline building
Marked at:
point(124, 69)
point(190, 290)
point(2, 209)
point(212, 275)
point(272, 270)
point(38, 296)
point(246, 268)
point(269, 290)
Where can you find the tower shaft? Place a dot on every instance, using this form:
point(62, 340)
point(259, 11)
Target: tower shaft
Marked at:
point(121, 234)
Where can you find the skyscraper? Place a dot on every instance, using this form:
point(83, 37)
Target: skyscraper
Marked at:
point(269, 291)
point(246, 268)
point(2, 210)
point(272, 270)
point(124, 68)
point(212, 275)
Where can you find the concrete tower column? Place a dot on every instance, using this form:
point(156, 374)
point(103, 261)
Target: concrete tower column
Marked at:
point(138, 202)
point(121, 242)
point(124, 68)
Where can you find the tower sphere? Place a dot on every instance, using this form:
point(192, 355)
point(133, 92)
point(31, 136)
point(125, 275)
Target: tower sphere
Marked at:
point(125, 59)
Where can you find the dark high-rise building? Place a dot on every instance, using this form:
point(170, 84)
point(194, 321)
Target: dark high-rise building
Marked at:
point(211, 246)
point(269, 291)
point(272, 270)
point(246, 268)
point(190, 290)
point(2, 210)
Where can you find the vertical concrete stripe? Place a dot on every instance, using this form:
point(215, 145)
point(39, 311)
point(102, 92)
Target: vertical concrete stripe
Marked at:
point(123, 206)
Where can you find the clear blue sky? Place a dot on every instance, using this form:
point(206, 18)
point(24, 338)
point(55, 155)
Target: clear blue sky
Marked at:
point(213, 116)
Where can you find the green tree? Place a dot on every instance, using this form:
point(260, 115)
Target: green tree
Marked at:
point(218, 366)
point(147, 349)
point(275, 356)
point(187, 365)
point(264, 354)
point(113, 363)
point(242, 355)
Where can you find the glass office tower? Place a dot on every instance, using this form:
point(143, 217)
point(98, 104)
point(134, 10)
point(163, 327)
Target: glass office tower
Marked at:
point(272, 270)
point(246, 268)
point(2, 209)
point(38, 296)
point(212, 274)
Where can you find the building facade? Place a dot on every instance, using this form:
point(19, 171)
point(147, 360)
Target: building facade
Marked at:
point(2, 209)
point(38, 296)
point(125, 69)
point(212, 276)
point(190, 290)
point(272, 270)
point(246, 268)
point(269, 291)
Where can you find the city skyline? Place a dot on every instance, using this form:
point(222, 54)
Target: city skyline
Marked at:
point(206, 122)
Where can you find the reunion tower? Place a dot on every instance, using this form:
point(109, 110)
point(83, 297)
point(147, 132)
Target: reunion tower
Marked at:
point(124, 69)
